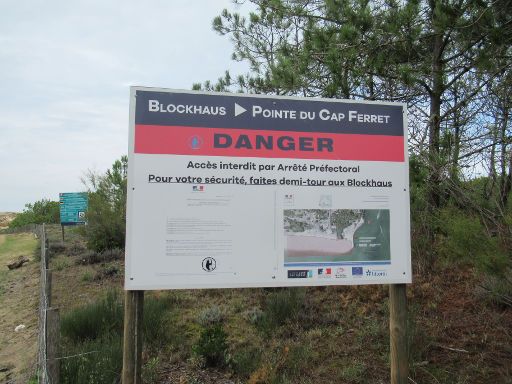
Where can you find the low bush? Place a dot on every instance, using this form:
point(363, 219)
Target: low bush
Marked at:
point(108, 271)
point(87, 276)
point(279, 307)
point(89, 257)
point(95, 361)
point(92, 257)
point(497, 289)
point(212, 346)
point(93, 333)
point(210, 316)
point(245, 361)
point(76, 249)
point(56, 248)
point(94, 320)
point(61, 264)
point(155, 321)
point(150, 371)
point(464, 238)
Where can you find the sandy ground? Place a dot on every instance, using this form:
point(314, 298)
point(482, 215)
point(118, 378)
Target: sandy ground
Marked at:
point(316, 246)
point(19, 300)
point(6, 218)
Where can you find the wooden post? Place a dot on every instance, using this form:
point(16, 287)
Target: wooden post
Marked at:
point(132, 339)
point(48, 288)
point(62, 229)
point(398, 333)
point(52, 344)
point(44, 248)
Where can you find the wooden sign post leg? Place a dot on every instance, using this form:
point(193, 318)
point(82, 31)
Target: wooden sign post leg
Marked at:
point(398, 333)
point(132, 340)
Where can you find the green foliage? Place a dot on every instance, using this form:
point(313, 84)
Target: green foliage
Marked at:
point(94, 333)
point(353, 372)
point(155, 321)
point(42, 211)
point(464, 238)
point(106, 215)
point(498, 289)
point(150, 371)
point(56, 247)
point(245, 361)
point(87, 277)
point(61, 264)
point(279, 307)
point(212, 345)
point(95, 361)
point(93, 320)
point(210, 316)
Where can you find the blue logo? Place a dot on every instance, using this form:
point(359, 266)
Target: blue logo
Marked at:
point(357, 271)
point(195, 142)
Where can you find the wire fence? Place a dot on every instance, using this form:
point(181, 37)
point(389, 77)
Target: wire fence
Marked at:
point(43, 305)
point(47, 366)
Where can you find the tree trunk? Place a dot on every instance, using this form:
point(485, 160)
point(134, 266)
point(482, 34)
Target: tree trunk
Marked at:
point(435, 123)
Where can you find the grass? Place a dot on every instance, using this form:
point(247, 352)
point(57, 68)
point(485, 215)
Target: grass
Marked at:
point(12, 246)
point(305, 335)
point(19, 293)
point(94, 332)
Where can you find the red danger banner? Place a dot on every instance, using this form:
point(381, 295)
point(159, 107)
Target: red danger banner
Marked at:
point(199, 141)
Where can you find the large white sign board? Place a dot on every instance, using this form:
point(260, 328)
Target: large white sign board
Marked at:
point(230, 190)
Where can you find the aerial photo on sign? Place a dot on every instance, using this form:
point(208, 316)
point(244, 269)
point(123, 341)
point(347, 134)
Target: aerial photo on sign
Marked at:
point(230, 190)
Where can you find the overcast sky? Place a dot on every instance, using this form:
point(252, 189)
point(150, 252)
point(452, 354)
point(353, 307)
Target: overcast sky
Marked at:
point(65, 71)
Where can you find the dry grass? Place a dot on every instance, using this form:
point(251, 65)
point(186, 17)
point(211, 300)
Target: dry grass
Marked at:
point(19, 295)
point(337, 335)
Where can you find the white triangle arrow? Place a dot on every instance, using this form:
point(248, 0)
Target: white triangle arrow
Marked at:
point(239, 109)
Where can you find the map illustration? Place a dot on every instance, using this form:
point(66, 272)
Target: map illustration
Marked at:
point(331, 235)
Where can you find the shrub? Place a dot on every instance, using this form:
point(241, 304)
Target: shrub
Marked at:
point(93, 361)
point(106, 214)
point(155, 321)
point(281, 306)
point(113, 254)
point(497, 289)
point(108, 270)
point(212, 346)
point(150, 371)
point(89, 257)
point(210, 316)
point(87, 276)
point(245, 361)
point(76, 249)
point(43, 211)
point(464, 238)
point(254, 315)
point(56, 248)
point(61, 264)
point(94, 320)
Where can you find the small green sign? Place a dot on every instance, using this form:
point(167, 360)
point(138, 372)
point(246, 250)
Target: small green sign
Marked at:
point(72, 208)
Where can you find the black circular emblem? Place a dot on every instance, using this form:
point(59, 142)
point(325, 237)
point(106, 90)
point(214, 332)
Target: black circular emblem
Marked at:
point(209, 264)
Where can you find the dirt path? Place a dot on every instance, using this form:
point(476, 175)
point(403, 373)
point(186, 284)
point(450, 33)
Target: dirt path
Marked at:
point(19, 300)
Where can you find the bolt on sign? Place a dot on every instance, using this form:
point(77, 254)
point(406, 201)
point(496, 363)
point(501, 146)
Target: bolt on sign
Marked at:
point(229, 190)
point(73, 207)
